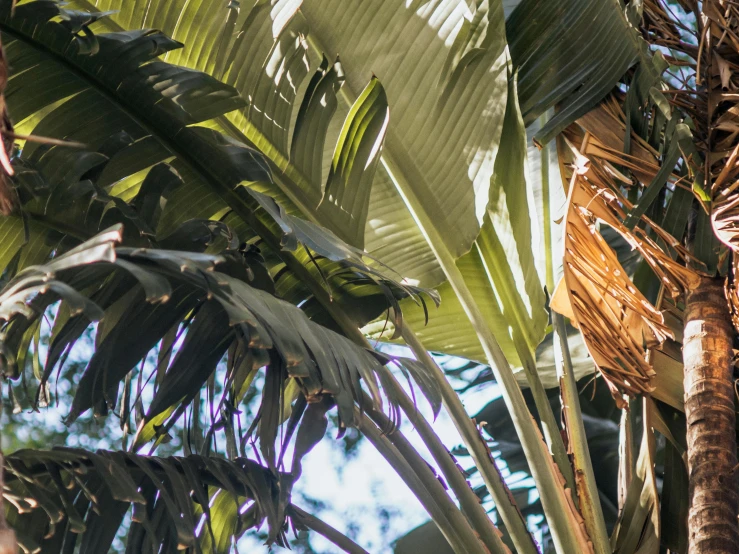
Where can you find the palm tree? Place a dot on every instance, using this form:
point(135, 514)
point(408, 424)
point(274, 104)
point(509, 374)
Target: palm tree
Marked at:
point(244, 198)
point(674, 204)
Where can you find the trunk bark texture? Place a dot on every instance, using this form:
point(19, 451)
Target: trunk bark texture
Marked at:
point(711, 434)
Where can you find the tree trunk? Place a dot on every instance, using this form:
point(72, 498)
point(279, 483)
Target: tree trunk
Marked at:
point(709, 408)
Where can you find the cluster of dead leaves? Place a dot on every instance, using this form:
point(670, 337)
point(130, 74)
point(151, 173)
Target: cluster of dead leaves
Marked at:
point(619, 325)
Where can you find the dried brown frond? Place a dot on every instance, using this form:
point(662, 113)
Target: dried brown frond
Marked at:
point(616, 320)
point(732, 294)
point(720, 76)
point(659, 22)
point(606, 127)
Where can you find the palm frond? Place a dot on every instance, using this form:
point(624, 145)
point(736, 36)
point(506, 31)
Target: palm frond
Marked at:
point(140, 296)
point(70, 498)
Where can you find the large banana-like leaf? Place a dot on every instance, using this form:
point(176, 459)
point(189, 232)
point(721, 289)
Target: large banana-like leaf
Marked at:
point(504, 269)
point(572, 53)
point(546, 202)
point(447, 100)
point(535, 31)
point(264, 54)
point(147, 127)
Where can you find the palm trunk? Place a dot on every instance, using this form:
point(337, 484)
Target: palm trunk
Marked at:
point(709, 408)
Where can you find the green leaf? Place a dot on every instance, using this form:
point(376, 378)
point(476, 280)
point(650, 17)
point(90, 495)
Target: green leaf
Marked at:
point(311, 430)
point(220, 311)
point(165, 504)
point(429, 146)
point(503, 271)
point(356, 158)
point(463, 138)
point(314, 116)
point(125, 179)
point(507, 243)
point(203, 347)
point(102, 525)
point(638, 527)
point(674, 501)
point(224, 519)
point(570, 54)
point(681, 137)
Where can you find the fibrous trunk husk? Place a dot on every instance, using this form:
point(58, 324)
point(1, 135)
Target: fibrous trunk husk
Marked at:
point(711, 421)
point(708, 338)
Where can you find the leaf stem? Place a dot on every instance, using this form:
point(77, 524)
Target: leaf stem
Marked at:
point(8, 542)
point(470, 503)
point(587, 489)
point(561, 513)
point(417, 474)
point(324, 529)
point(508, 510)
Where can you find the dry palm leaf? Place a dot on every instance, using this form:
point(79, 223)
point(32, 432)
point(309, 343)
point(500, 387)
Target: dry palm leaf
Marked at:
point(619, 325)
point(617, 322)
point(721, 147)
point(732, 294)
point(605, 123)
